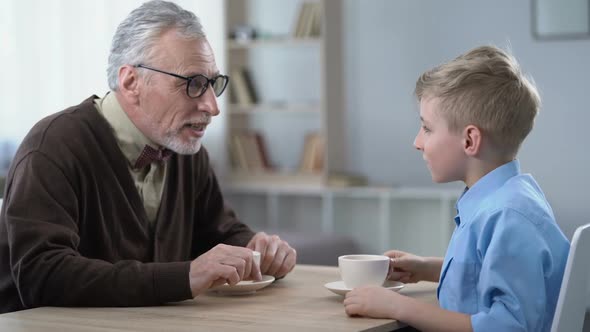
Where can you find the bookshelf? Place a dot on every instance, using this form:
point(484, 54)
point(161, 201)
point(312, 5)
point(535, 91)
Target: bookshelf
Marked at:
point(281, 90)
point(298, 82)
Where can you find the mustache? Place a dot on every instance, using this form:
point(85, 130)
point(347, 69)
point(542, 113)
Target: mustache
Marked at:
point(205, 119)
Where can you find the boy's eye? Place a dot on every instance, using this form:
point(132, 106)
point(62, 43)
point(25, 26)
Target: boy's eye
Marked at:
point(426, 129)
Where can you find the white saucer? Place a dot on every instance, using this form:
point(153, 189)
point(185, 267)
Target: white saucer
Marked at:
point(339, 288)
point(244, 287)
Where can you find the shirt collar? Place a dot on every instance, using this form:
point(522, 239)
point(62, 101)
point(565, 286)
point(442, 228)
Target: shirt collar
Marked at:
point(130, 139)
point(470, 200)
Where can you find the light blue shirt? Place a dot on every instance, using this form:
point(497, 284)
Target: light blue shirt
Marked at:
point(506, 258)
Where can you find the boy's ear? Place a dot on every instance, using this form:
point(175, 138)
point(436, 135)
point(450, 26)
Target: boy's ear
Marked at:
point(129, 83)
point(472, 140)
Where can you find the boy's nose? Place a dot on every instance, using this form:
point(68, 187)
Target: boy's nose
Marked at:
point(418, 143)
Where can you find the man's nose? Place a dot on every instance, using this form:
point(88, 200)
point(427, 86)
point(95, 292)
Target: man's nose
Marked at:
point(208, 102)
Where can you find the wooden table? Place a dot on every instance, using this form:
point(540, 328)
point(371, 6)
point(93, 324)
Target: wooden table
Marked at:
point(298, 302)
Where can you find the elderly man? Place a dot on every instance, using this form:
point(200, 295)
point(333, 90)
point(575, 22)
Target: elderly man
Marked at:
point(113, 202)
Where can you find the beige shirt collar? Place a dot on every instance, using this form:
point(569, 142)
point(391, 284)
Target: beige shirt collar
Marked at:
point(130, 139)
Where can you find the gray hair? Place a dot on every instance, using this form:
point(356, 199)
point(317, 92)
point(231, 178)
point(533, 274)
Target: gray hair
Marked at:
point(137, 35)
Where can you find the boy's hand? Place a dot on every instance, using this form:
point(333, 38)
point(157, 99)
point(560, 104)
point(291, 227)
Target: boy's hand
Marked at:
point(376, 302)
point(409, 268)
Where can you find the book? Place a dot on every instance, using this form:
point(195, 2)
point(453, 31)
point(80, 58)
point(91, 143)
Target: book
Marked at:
point(261, 144)
point(238, 153)
point(309, 18)
point(313, 154)
point(346, 180)
point(298, 28)
point(316, 21)
point(248, 152)
point(239, 89)
point(251, 88)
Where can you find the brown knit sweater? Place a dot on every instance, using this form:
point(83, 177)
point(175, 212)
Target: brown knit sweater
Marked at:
point(73, 230)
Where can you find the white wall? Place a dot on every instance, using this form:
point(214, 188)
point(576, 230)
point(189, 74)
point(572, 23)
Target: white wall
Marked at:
point(54, 55)
point(390, 43)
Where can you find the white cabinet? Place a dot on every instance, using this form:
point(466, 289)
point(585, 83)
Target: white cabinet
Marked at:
point(418, 220)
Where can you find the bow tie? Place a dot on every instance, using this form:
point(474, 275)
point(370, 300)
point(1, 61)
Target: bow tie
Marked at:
point(150, 155)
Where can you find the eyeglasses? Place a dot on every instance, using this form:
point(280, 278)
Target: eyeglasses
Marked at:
point(197, 85)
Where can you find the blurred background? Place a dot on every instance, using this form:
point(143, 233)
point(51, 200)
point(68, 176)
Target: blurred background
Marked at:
point(316, 132)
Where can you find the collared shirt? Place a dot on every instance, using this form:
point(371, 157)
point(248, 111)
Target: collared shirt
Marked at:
point(149, 180)
point(506, 257)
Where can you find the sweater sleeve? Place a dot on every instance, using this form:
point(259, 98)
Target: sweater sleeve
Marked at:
point(43, 215)
point(219, 222)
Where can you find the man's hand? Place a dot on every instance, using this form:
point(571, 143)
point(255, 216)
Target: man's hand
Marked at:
point(277, 257)
point(222, 264)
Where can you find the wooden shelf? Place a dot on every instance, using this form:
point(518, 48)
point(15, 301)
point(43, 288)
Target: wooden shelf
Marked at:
point(236, 109)
point(273, 42)
point(263, 181)
point(294, 187)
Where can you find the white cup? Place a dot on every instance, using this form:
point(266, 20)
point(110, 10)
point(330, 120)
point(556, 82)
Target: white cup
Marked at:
point(256, 258)
point(363, 270)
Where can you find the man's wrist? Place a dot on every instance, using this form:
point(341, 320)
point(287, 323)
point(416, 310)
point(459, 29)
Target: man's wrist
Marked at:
point(168, 281)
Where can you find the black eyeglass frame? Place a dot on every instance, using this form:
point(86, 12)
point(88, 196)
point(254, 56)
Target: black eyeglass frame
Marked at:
point(189, 79)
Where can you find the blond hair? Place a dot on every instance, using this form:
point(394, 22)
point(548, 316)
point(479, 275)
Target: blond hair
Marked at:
point(486, 88)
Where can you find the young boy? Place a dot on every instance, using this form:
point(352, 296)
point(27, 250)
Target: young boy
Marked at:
point(505, 261)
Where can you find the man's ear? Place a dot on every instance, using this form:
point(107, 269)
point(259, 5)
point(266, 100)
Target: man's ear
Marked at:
point(129, 83)
point(472, 140)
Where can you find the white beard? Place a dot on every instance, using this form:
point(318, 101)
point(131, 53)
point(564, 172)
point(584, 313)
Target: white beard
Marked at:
point(169, 141)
